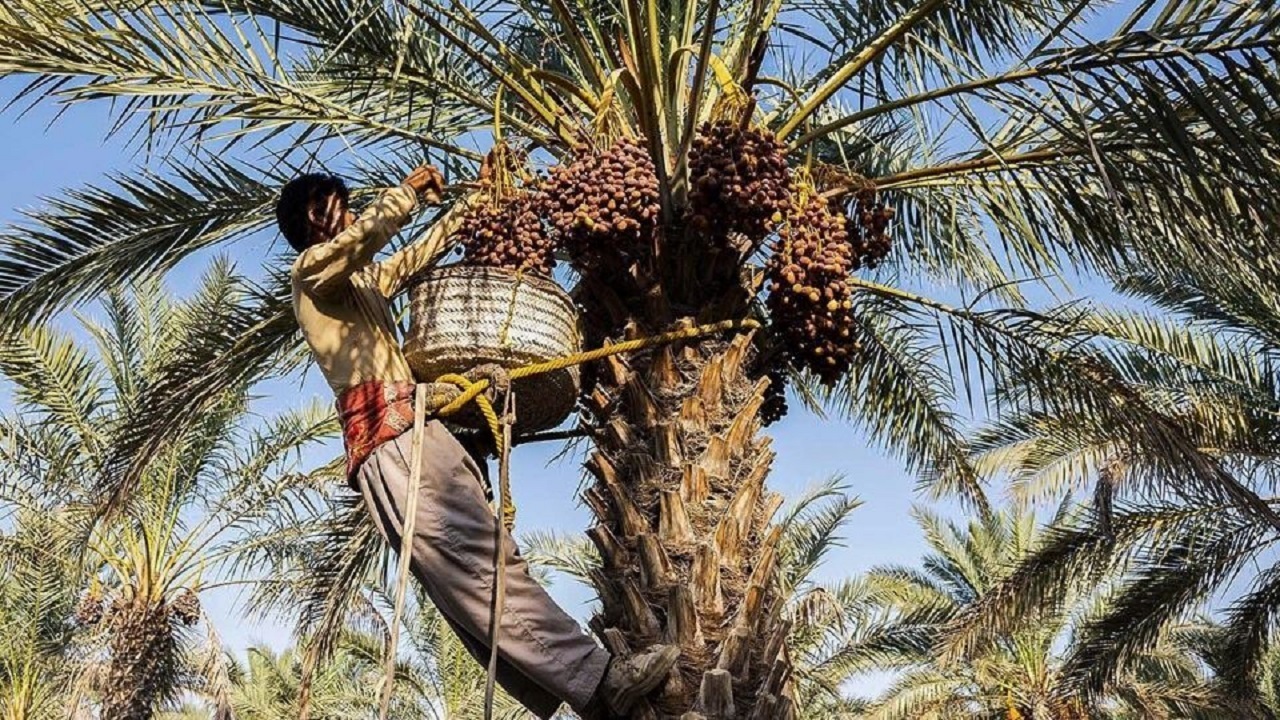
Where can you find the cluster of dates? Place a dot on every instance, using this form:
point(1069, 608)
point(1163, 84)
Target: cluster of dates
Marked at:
point(603, 203)
point(869, 220)
point(93, 609)
point(739, 182)
point(810, 306)
point(603, 209)
point(504, 229)
point(507, 234)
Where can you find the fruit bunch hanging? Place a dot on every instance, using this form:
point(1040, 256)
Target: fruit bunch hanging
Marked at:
point(186, 607)
point(504, 229)
point(869, 220)
point(771, 360)
point(809, 297)
point(141, 636)
point(774, 407)
point(603, 203)
point(90, 609)
point(739, 181)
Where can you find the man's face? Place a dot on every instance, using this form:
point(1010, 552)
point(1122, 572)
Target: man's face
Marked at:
point(329, 216)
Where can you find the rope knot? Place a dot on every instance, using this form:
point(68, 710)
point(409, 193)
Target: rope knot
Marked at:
point(440, 395)
point(499, 380)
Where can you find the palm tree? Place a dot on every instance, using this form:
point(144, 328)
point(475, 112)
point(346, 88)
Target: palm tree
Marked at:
point(1205, 369)
point(1013, 138)
point(1269, 678)
point(827, 621)
point(436, 676)
point(890, 619)
point(142, 566)
point(437, 679)
point(38, 589)
point(266, 687)
point(1018, 674)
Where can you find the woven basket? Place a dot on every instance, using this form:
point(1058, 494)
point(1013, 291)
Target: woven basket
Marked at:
point(462, 317)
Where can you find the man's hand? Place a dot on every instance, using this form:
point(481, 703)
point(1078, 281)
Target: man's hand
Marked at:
point(427, 183)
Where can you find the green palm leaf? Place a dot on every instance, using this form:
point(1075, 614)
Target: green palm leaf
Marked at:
point(96, 239)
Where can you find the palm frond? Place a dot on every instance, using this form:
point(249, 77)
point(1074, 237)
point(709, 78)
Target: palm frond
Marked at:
point(184, 73)
point(903, 396)
point(96, 239)
point(811, 527)
point(574, 556)
point(1072, 558)
point(1169, 582)
point(1248, 631)
point(56, 380)
point(235, 335)
point(1090, 157)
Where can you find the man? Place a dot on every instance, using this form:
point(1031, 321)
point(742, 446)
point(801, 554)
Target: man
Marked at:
point(340, 298)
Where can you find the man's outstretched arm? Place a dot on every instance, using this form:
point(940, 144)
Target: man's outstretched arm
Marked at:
point(400, 268)
point(327, 266)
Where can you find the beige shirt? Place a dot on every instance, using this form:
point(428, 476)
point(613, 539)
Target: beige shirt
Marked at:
point(341, 297)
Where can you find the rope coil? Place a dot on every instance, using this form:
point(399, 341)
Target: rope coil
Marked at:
point(500, 427)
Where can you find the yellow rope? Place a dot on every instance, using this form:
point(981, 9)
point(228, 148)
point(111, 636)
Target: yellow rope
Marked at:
point(471, 391)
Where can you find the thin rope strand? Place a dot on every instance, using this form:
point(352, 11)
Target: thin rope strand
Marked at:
point(406, 545)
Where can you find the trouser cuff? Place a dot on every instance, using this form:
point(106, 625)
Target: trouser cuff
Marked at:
point(583, 687)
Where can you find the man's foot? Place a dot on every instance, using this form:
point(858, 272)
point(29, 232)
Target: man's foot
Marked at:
point(629, 679)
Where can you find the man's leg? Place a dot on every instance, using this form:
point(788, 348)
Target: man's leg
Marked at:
point(548, 659)
point(523, 690)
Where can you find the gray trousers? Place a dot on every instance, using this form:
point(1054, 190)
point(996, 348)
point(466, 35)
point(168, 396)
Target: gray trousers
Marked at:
point(544, 656)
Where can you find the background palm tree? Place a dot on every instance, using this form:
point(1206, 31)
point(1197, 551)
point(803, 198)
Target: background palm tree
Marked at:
point(266, 687)
point(1018, 674)
point(1207, 370)
point(826, 620)
point(137, 568)
point(1015, 139)
point(1268, 680)
point(38, 590)
point(437, 679)
point(888, 622)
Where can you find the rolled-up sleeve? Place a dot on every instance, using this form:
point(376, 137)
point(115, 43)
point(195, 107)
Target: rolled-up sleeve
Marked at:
point(322, 268)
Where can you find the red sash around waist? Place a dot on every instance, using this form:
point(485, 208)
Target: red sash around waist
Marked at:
point(373, 413)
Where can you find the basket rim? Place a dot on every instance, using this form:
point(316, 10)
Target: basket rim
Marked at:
point(463, 271)
point(446, 284)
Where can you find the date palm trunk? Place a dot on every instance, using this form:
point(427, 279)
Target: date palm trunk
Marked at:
point(683, 515)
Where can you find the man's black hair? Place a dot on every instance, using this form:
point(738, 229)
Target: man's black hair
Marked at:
point(295, 202)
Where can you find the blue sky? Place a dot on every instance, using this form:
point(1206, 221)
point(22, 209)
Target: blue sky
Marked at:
point(39, 160)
